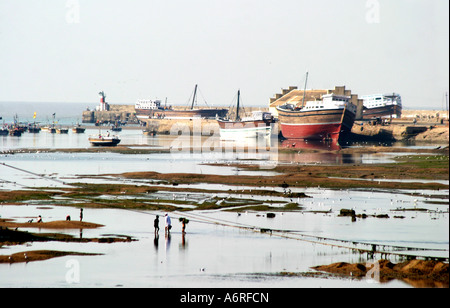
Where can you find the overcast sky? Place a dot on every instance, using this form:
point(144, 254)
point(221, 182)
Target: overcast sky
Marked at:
point(69, 50)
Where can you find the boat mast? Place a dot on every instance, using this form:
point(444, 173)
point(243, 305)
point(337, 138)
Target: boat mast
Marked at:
point(304, 90)
point(446, 104)
point(237, 108)
point(193, 98)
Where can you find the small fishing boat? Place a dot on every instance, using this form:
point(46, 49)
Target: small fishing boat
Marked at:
point(62, 130)
point(104, 140)
point(77, 129)
point(34, 128)
point(116, 128)
point(15, 132)
point(149, 132)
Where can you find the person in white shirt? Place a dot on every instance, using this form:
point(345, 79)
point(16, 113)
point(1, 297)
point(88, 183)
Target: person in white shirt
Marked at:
point(168, 224)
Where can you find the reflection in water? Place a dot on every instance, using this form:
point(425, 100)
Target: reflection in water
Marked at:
point(323, 152)
point(168, 238)
point(156, 241)
point(183, 241)
point(331, 145)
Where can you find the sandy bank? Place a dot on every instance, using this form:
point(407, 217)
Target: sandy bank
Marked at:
point(418, 273)
point(60, 224)
point(39, 255)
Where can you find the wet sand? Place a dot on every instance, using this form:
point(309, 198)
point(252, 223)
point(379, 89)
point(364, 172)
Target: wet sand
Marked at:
point(419, 273)
point(61, 224)
point(39, 255)
point(10, 236)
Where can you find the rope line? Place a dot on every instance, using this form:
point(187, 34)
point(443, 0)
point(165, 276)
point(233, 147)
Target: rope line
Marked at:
point(294, 234)
point(33, 173)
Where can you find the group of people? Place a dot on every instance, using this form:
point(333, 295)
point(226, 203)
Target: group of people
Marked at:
point(168, 224)
point(39, 219)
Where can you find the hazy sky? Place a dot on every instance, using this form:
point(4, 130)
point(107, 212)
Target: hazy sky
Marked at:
point(69, 50)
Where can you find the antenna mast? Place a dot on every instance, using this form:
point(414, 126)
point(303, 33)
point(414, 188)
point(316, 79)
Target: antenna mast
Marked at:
point(446, 105)
point(304, 90)
point(237, 108)
point(193, 98)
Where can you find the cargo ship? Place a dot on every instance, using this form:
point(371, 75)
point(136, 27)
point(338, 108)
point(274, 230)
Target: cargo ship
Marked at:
point(382, 106)
point(258, 124)
point(152, 109)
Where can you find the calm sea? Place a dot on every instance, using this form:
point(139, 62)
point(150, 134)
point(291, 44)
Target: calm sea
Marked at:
point(65, 113)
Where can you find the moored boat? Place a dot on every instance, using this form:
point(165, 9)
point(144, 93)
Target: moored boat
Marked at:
point(323, 119)
point(34, 129)
point(104, 140)
point(77, 129)
point(62, 130)
point(116, 128)
point(317, 120)
point(15, 132)
point(258, 124)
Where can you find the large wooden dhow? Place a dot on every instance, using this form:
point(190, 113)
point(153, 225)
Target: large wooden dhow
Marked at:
point(327, 118)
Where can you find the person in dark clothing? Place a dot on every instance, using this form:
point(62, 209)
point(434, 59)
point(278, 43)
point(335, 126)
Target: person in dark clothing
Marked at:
point(156, 224)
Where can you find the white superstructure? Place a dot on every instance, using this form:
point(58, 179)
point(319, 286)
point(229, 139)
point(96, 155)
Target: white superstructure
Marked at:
point(329, 102)
point(381, 100)
point(147, 104)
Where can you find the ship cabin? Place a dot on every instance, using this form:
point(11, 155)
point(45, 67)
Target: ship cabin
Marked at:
point(328, 102)
point(381, 100)
point(147, 104)
point(258, 116)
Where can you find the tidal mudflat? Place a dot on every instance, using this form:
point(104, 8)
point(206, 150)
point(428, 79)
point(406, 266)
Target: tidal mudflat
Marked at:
point(248, 226)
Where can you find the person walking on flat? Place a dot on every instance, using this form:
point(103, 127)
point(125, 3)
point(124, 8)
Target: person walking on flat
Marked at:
point(168, 224)
point(156, 224)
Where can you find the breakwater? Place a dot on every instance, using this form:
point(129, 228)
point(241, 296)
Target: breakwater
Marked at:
point(122, 113)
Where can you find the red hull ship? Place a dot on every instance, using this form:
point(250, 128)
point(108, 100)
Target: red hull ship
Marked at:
point(317, 120)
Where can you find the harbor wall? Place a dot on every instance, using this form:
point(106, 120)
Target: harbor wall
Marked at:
point(401, 131)
point(123, 113)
